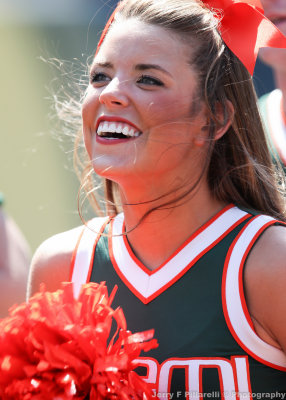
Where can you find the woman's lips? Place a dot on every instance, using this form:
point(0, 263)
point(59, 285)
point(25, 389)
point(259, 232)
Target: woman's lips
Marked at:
point(115, 129)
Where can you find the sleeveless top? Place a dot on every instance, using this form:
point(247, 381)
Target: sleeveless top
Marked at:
point(270, 106)
point(195, 302)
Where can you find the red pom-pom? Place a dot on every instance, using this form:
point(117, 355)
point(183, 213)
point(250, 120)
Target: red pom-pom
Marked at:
point(58, 347)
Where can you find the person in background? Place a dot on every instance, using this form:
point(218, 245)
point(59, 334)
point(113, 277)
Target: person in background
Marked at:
point(273, 104)
point(14, 262)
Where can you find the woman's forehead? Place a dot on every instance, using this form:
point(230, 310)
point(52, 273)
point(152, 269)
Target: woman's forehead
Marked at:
point(137, 38)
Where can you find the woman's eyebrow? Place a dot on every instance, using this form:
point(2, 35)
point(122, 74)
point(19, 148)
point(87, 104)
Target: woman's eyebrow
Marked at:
point(144, 67)
point(138, 67)
point(102, 64)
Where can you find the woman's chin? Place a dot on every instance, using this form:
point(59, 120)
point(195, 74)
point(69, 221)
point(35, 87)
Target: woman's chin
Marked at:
point(112, 170)
point(105, 172)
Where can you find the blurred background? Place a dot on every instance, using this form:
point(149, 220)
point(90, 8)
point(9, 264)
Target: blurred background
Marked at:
point(36, 172)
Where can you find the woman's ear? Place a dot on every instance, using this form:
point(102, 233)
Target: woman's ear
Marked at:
point(223, 124)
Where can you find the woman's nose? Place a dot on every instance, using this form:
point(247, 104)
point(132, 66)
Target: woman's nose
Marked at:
point(114, 94)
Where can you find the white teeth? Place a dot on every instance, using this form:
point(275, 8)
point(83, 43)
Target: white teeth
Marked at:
point(125, 130)
point(119, 128)
point(116, 127)
point(112, 127)
point(105, 126)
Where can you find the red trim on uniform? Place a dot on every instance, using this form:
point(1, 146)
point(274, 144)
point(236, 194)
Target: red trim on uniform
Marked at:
point(117, 269)
point(144, 365)
point(225, 269)
point(192, 237)
point(170, 373)
point(235, 377)
point(201, 368)
point(170, 376)
point(201, 389)
point(224, 306)
point(240, 282)
point(132, 255)
point(187, 383)
point(248, 375)
point(94, 246)
point(74, 255)
point(179, 275)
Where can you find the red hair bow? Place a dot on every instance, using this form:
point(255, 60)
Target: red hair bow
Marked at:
point(243, 27)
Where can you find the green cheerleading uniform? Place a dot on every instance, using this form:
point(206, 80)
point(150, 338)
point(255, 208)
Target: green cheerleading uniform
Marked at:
point(195, 302)
point(270, 106)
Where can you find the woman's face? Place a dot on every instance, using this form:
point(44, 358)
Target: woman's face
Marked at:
point(275, 10)
point(139, 118)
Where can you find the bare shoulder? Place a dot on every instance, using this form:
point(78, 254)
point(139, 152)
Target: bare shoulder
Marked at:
point(268, 257)
point(265, 282)
point(52, 261)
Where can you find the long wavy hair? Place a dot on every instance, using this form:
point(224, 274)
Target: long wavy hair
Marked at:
point(239, 167)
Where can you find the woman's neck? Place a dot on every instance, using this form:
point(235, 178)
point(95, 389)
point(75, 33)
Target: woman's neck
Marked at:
point(162, 232)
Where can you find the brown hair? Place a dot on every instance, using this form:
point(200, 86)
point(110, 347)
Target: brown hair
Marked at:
point(239, 166)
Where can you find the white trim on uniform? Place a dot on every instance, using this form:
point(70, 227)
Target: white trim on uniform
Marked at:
point(234, 301)
point(149, 285)
point(85, 251)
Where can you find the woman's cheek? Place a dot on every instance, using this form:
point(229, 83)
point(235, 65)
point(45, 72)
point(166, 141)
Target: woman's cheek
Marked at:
point(89, 112)
point(165, 108)
point(87, 138)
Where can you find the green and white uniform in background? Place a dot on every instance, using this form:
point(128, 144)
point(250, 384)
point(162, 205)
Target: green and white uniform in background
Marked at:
point(272, 114)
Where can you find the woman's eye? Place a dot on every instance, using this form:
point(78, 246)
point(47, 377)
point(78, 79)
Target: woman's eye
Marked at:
point(148, 80)
point(97, 77)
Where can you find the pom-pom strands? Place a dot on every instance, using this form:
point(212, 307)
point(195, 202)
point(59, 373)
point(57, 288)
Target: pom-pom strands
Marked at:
point(58, 347)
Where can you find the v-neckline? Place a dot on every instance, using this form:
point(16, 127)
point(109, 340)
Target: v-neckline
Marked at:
point(147, 284)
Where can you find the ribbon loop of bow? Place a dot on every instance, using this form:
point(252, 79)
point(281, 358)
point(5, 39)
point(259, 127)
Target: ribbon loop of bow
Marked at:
point(245, 29)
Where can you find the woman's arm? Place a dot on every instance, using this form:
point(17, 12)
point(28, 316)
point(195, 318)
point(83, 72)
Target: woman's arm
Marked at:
point(51, 262)
point(265, 286)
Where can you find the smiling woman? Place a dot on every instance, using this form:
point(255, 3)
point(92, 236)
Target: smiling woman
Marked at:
point(194, 233)
point(151, 90)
